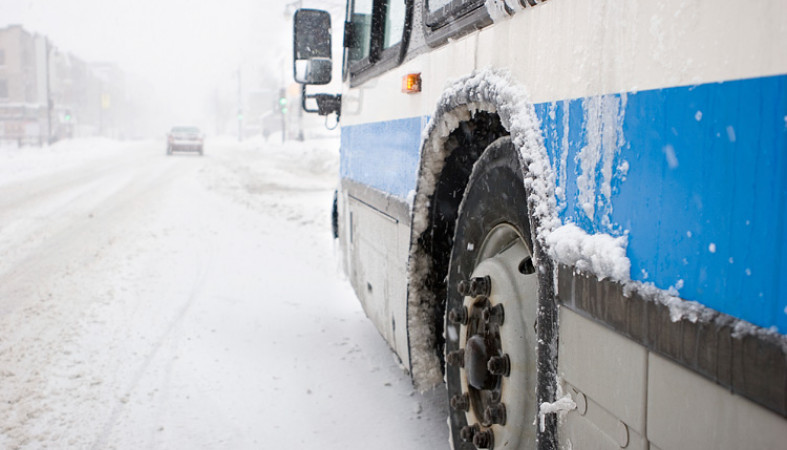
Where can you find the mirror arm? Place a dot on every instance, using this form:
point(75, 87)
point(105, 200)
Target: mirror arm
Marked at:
point(326, 103)
point(303, 100)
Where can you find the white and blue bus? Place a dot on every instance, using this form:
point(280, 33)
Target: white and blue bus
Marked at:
point(572, 213)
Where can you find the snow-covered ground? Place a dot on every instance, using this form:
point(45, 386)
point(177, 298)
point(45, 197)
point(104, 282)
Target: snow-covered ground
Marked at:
point(188, 302)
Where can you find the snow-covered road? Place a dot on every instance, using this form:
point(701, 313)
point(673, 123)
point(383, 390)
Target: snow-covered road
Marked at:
point(188, 302)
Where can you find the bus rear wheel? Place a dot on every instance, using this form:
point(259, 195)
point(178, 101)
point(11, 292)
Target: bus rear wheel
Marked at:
point(491, 306)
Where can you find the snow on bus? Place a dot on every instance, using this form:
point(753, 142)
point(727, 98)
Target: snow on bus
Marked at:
point(578, 216)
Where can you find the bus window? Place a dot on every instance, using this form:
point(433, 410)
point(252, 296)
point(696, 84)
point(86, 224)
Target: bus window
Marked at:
point(395, 12)
point(446, 19)
point(362, 27)
point(455, 8)
point(435, 5)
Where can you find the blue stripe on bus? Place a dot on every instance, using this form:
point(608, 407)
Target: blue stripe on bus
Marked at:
point(705, 194)
point(703, 198)
point(383, 155)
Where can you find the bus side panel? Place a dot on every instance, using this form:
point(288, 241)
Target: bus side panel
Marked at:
point(628, 396)
point(378, 170)
point(382, 155)
point(695, 175)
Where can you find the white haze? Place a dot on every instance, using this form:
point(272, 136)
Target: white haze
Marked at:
point(186, 53)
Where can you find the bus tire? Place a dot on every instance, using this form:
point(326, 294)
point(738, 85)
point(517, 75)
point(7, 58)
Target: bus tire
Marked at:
point(491, 306)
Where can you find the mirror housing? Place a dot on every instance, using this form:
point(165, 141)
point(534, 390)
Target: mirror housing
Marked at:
point(312, 62)
point(327, 104)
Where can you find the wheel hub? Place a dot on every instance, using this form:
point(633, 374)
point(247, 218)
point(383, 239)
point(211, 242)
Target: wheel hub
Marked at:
point(496, 344)
point(476, 360)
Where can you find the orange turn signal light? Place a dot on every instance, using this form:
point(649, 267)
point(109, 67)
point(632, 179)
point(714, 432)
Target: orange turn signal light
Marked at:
point(411, 83)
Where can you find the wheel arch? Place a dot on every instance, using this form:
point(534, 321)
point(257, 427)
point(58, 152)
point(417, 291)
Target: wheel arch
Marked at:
point(448, 150)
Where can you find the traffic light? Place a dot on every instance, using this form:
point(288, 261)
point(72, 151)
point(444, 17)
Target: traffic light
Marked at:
point(67, 116)
point(283, 101)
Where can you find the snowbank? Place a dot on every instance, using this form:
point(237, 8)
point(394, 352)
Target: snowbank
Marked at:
point(22, 163)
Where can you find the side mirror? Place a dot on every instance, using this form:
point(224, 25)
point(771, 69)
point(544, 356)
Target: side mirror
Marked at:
point(312, 47)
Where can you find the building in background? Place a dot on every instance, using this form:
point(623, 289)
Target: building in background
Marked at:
point(23, 107)
point(47, 94)
point(109, 89)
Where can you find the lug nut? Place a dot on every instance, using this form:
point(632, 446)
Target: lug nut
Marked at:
point(456, 358)
point(499, 365)
point(458, 315)
point(463, 288)
point(484, 439)
point(481, 302)
point(460, 402)
point(495, 414)
point(526, 266)
point(494, 314)
point(468, 431)
point(480, 286)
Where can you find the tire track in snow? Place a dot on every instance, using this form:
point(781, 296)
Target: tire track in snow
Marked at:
point(83, 214)
point(196, 290)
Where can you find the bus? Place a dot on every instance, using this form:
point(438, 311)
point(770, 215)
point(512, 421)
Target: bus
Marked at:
point(572, 214)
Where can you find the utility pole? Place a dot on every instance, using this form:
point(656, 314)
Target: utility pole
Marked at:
point(300, 118)
point(49, 102)
point(240, 108)
point(101, 110)
point(283, 112)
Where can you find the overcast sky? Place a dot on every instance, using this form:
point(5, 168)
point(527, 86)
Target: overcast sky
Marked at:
point(187, 48)
point(152, 37)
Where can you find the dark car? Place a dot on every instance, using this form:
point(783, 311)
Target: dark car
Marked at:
point(188, 139)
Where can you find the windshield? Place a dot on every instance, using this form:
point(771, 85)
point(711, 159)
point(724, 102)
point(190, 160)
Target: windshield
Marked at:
point(185, 130)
